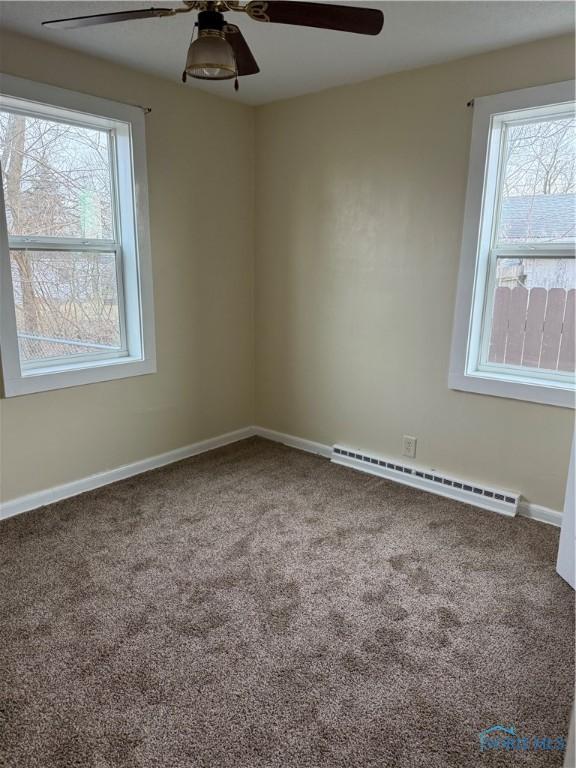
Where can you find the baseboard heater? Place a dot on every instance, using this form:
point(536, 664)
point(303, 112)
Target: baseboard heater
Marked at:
point(504, 502)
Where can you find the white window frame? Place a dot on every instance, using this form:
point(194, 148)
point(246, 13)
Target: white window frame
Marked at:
point(473, 292)
point(131, 244)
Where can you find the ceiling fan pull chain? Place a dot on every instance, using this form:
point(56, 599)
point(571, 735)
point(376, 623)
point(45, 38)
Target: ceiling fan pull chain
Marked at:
point(220, 51)
point(194, 28)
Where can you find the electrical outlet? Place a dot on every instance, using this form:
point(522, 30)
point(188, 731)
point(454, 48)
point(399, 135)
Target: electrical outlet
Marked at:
point(409, 446)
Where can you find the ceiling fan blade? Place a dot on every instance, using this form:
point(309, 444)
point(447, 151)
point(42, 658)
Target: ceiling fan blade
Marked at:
point(245, 61)
point(346, 18)
point(108, 18)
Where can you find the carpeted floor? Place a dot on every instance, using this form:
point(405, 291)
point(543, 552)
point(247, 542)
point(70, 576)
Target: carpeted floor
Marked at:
point(258, 607)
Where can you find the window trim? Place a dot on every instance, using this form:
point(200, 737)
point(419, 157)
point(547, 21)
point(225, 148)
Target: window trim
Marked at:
point(476, 244)
point(133, 232)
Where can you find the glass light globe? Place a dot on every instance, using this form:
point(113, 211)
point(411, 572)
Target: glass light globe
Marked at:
point(210, 57)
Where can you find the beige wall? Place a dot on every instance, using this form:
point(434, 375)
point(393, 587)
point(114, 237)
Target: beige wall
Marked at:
point(360, 199)
point(200, 170)
point(360, 195)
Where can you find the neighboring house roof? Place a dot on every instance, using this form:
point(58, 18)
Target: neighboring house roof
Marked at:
point(542, 217)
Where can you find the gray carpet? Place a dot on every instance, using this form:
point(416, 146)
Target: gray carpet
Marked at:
point(258, 607)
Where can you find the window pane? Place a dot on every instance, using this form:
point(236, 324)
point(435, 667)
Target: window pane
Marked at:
point(539, 183)
point(533, 314)
point(66, 304)
point(57, 178)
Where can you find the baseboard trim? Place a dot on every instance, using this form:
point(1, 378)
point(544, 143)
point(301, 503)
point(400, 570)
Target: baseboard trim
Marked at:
point(76, 487)
point(539, 513)
point(294, 442)
point(66, 490)
point(525, 509)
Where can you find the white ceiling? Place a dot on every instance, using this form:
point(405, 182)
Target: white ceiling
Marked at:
point(297, 60)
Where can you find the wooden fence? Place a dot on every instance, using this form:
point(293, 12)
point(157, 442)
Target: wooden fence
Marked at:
point(534, 327)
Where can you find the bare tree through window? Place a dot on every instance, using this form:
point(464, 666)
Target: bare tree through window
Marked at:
point(58, 184)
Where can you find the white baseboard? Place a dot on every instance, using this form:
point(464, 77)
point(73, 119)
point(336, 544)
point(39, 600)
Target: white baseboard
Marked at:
point(542, 514)
point(294, 442)
point(59, 492)
point(525, 509)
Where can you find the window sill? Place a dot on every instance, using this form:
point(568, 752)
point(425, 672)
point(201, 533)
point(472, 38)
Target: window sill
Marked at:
point(484, 384)
point(44, 380)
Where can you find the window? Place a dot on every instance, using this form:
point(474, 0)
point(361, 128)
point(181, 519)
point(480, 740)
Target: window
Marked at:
point(514, 329)
point(76, 299)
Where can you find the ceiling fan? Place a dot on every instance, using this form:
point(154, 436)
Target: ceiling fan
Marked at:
point(220, 51)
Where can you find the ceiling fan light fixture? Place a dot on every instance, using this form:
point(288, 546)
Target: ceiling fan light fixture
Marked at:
point(210, 57)
point(220, 52)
